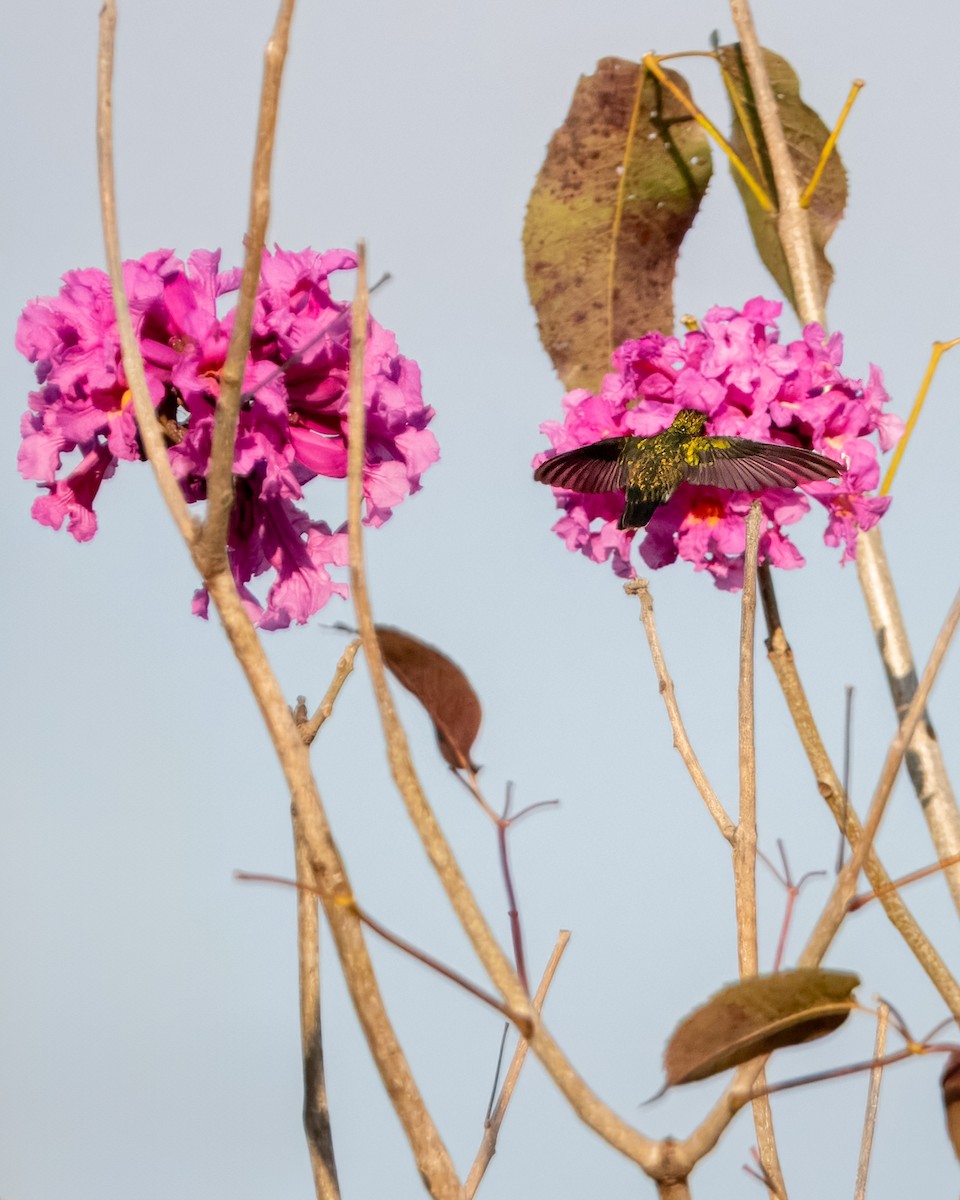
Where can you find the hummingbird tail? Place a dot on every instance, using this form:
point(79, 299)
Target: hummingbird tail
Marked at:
point(637, 512)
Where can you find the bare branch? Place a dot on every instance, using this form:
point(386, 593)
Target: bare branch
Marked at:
point(793, 224)
point(488, 1147)
point(845, 886)
point(310, 729)
point(928, 773)
point(212, 553)
point(316, 1111)
point(641, 588)
point(745, 840)
point(828, 784)
point(873, 1105)
point(151, 434)
point(651, 1155)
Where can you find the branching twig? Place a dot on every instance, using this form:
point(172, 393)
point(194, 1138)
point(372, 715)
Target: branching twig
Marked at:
point(837, 904)
point(488, 1147)
point(641, 588)
point(310, 729)
point(828, 784)
point(654, 1157)
point(433, 1161)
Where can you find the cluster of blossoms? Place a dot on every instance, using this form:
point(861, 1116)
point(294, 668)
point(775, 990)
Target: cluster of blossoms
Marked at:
point(293, 418)
point(733, 369)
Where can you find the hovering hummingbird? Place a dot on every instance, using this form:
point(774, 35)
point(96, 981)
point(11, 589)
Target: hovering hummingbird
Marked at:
point(650, 469)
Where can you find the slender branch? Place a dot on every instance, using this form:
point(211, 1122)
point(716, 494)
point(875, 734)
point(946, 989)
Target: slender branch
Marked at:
point(654, 1157)
point(310, 729)
point(213, 549)
point(316, 1111)
point(829, 786)
point(836, 908)
point(151, 435)
point(925, 764)
point(433, 1161)
point(488, 1147)
point(873, 1105)
point(745, 841)
point(793, 226)
point(925, 758)
point(641, 588)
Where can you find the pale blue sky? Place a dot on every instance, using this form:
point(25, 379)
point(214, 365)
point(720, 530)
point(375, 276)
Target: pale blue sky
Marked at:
point(148, 1036)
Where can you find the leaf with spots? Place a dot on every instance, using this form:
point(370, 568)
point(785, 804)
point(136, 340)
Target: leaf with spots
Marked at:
point(621, 184)
point(755, 1016)
point(806, 135)
point(442, 689)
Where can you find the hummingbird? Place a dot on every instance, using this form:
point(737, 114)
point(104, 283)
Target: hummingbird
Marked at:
point(650, 469)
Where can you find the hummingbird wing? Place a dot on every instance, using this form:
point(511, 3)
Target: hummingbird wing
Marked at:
point(594, 468)
point(746, 466)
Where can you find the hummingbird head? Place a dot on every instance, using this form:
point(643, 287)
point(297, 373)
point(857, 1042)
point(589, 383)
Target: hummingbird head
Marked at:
point(690, 421)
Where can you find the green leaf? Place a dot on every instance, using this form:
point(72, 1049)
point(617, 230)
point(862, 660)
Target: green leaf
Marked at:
point(806, 135)
point(442, 689)
point(607, 215)
point(755, 1016)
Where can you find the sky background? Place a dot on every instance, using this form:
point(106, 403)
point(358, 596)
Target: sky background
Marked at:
point(148, 1016)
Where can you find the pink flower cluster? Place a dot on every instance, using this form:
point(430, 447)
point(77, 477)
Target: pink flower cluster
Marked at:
point(734, 369)
point(293, 419)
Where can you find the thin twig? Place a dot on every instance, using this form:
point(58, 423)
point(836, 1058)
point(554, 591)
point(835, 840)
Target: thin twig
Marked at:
point(837, 905)
point(213, 547)
point(873, 1104)
point(151, 435)
point(745, 841)
point(434, 1163)
point(925, 765)
point(310, 729)
point(641, 588)
point(828, 784)
point(316, 1110)
point(654, 1157)
point(488, 1146)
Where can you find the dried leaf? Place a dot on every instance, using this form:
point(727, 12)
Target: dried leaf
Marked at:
point(442, 689)
point(950, 1085)
point(806, 135)
point(594, 278)
point(755, 1016)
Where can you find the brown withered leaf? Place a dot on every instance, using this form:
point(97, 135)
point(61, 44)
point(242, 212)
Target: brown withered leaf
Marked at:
point(950, 1085)
point(757, 1015)
point(442, 689)
point(806, 135)
point(593, 281)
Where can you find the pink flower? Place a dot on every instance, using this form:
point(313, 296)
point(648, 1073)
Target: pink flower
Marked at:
point(734, 369)
point(293, 419)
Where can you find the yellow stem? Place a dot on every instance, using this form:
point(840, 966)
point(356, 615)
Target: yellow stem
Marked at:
point(807, 194)
point(652, 64)
point(939, 349)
